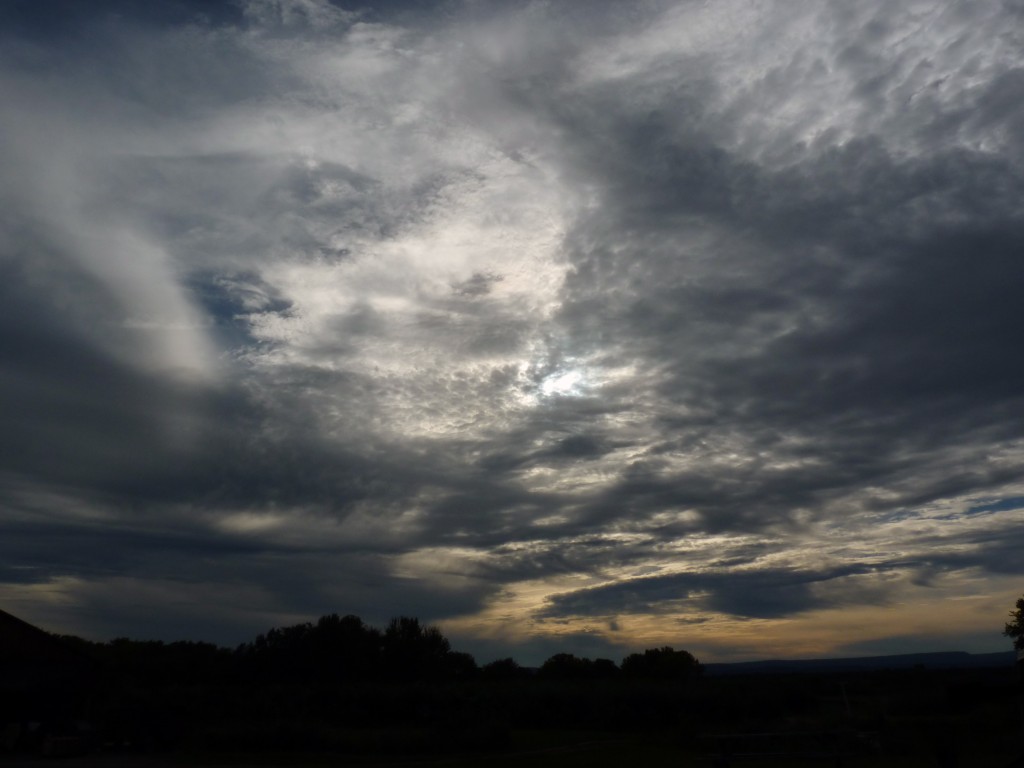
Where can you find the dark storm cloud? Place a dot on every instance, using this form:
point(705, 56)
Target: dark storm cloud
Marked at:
point(571, 448)
point(80, 415)
point(88, 420)
point(764, 593)
point(990, 551)
point(65, 18)
point(859, 300)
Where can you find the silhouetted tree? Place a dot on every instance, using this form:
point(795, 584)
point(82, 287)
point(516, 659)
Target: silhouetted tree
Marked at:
point(282, 653)
point(346, 649)
point(562, 666)
point(1015, 628)
point(503, 669)
point(565, 666)
point(661, 664)
point(460, 666)
point(335, 649)
point(412, 651)
point(341, 649)
point(603, 669)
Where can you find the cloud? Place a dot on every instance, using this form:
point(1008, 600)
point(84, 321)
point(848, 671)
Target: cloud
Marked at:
point(510, 315)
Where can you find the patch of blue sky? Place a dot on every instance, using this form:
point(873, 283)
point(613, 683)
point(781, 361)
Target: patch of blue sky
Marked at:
point(1000, 505)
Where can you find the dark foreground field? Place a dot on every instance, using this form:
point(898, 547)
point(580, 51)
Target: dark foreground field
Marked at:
point(916, 717)
point(564, 749)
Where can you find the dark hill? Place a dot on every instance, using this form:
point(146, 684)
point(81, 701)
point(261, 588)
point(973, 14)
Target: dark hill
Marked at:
point(939, 660)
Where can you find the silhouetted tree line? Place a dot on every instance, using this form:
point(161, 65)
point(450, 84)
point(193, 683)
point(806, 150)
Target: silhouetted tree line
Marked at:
point(343, 649)
point(313, 683)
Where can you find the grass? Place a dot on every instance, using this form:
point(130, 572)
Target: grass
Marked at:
point(586, 749)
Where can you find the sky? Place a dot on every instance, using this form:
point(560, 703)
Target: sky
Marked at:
point(564, 326)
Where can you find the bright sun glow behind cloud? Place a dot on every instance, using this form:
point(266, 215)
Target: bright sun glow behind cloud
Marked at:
point(563, 383)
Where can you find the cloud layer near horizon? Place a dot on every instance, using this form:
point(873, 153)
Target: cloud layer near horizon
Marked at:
point(556, 323)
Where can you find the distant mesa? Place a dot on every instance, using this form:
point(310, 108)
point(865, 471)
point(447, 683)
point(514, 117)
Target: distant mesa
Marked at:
point(938, 660)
